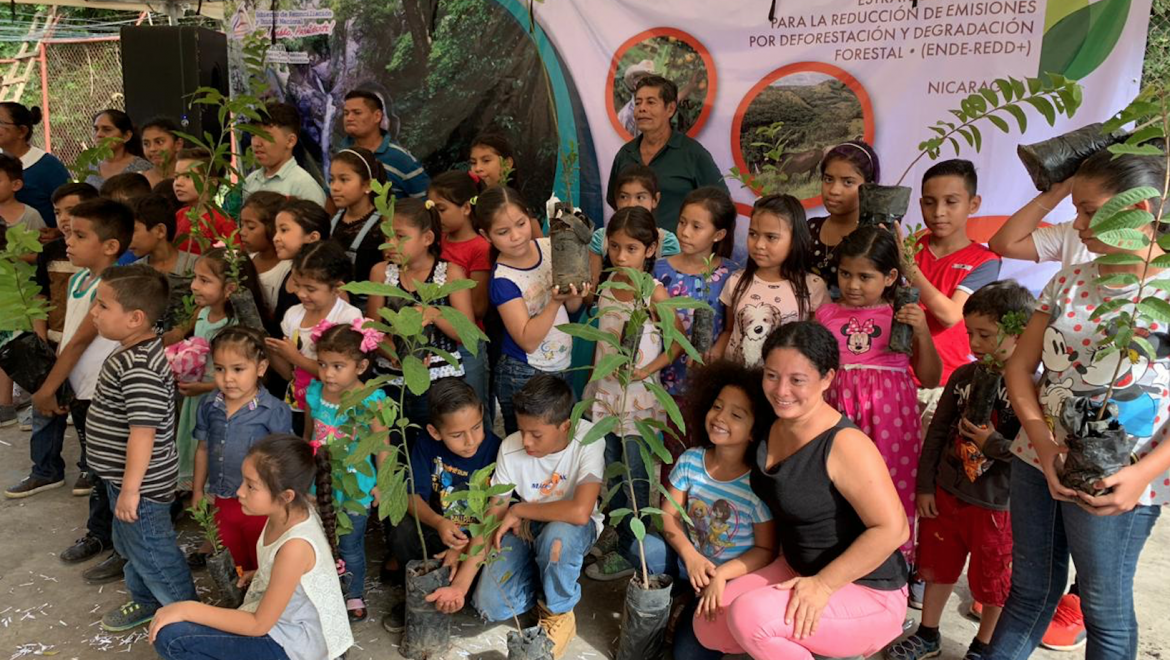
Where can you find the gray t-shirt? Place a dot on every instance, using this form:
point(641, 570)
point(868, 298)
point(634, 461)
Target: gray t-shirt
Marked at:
point(298, 630)
point(31, 219)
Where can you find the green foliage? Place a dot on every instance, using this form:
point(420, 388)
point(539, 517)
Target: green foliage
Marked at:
point(478, 505)
point(90, 159)
point(622, 364)
point(20, 301)
point(1011, 325)
point(1051, 95)
point(203, 513)
point(769, 179)
point(1120, 225)
point(1156, 69)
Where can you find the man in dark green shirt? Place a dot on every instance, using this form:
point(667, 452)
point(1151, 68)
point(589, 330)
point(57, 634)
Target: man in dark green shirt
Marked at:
point(681, 163)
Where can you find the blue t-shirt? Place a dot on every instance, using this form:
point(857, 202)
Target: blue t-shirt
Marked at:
point(680, 285)
point(40, 180)
point(328, 420)
point(438, 472)
point(723, 512)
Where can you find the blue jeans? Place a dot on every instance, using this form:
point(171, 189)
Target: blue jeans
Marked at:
point(156, 570)
point(475, 368)
point(627, 543)
point(194, 641)
point(550, 565)
point(1105, 549)
point(48, 441)
point(352, 548)
point(511, 375)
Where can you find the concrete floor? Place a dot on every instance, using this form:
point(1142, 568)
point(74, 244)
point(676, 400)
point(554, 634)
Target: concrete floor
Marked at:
point(46, 609)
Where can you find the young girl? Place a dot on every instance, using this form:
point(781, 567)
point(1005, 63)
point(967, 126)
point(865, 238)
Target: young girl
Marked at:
point(319, 270)
point(355, 227)
point(874, 387)
point(160, 145)
point(257, 231)
point(775, 286)
point(211, 290)
point(451, 193)
point(1104, 534)
point(706, 230)
point(126, 151)
point(343, 357)
point(843, 169)
point(293, 608)
point(631, 238)
point(414, 259)
point(241, 413)
point(637, 185)
point(298, 223)
point(493, 160)
point(522, 290)
point(731, 531)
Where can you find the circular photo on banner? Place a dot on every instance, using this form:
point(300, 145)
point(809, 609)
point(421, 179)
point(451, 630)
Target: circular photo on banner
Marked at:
point(674, 55)
point(787, 122)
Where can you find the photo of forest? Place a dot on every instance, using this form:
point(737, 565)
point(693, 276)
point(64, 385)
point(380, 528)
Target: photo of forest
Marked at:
point(791, 123)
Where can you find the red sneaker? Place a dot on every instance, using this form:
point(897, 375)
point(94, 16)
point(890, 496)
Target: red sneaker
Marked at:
point(1067, 630)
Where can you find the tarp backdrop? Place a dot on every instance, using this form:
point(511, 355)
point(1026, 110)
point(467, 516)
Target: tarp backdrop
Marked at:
point(816, 73)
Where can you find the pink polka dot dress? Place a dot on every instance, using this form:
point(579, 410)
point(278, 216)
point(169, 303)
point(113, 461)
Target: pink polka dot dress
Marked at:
point(876, 390)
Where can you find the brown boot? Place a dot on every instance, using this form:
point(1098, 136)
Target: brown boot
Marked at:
point(560, 628)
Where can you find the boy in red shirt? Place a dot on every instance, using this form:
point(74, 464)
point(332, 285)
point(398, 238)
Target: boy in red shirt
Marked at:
point(212, 226)
point(950, 266)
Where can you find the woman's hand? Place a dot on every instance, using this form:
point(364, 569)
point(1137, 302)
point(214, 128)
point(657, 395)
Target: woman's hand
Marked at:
point(700, 570)
point(281, 347)
point(1052, 464)
point(1128, 485)
point(808, 600)
point(173, 613)
point(711, 598)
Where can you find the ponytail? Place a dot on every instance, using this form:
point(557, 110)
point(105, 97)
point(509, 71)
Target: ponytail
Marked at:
point(324, 482)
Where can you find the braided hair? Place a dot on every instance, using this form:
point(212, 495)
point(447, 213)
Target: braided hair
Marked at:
point(286, 462)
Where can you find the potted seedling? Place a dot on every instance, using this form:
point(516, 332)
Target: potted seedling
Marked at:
point(407, 343)
point(988, 377)
point(1050, 95)
point(703, 318)
point(220, 564)
point(647, 602)
point(1056, 159)
point(901, 334)
point(479, 503)
point(569, 232)
point(24, 355)
point(1098, 443)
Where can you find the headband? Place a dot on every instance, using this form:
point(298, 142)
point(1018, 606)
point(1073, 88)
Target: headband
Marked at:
point(362, 158)
point(857, 147)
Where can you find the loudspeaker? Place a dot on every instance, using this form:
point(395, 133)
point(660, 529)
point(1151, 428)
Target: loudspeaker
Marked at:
point(162, 66)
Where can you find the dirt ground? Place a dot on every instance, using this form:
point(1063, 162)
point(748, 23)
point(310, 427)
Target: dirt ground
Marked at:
point(46, 609)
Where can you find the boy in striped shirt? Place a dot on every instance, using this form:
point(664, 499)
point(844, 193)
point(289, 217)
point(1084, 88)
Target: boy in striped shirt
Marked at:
point(131, 436)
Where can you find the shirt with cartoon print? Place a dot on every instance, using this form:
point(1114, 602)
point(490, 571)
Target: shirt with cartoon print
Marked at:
point(1076, 365)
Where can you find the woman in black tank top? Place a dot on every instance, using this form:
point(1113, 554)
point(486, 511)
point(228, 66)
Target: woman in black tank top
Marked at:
point(839, 586)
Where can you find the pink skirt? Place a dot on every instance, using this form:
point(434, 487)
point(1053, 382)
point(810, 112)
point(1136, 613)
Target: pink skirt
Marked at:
point(883, 403)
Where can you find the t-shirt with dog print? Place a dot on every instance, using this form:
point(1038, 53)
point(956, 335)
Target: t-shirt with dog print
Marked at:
point(762, 308)
point(1076, 365)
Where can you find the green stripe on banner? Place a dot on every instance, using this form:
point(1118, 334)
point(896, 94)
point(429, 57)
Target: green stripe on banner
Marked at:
point(565, 122)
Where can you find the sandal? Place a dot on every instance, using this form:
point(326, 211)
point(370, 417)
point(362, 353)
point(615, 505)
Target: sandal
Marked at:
point(356, 608)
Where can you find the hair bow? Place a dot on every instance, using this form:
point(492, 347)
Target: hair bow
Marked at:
point(856, 327)
point(474, 176)
point(371, 337)
point(429, 204)
point(319, 329)
point(315, 444)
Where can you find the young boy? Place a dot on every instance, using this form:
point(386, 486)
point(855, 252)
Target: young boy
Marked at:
point(132, 443)
point(963, 482)
point(461, 445)
point(950, 266)
point(54, 270)
point(548, 523)
point(154, 230)
point(126, 187)
point(212, 225)
point(12, 211)
point(279, 171)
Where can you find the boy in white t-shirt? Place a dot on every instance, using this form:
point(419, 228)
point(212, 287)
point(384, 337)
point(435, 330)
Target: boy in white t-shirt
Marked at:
point(549, 522)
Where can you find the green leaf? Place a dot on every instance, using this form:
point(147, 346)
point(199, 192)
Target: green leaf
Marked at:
point(1018, 86)
point(650, 436)
point(367, 288)
point(638, 528)
point(1161, 285)
point(668, 404)
point(677, 507)
point(579, 411)
point(590, 333)
point(991, 97)
point(469, 334)
point(1162, 261)
point(1126, 219)
point(447, 357)
point(999, 123)
point(967, 136)
point(1021, 118)
point(418, 378)
point(977, 136)
point(1043, 107)
point(599, 430)
point(1119, 259)
point(616, 515)
point(1124, 200)
point(607, 365)
point(1126, 239)
point(1155, 309)
point(1145, 346)
point(1135, 150)
point(1108, 308)
point(1118, 279)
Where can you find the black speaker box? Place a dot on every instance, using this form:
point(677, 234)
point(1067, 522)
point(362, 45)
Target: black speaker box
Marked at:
point(162, 66)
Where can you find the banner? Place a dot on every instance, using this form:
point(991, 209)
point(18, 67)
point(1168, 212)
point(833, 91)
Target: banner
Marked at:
point(810, 75)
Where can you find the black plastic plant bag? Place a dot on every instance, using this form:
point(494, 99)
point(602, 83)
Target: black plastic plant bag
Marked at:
point(1056, 159)
point(644, 619)
point(428, 631)
point(1096, 448)
point(984, 392)
point(882, 205)
point(28, 359)
point(902, 335)
point(570, 234)
point(703, 329)
point(529, 644)
point(222, 568)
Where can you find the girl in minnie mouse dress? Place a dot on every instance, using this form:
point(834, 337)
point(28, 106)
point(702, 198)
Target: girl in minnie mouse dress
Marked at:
point(875, 387)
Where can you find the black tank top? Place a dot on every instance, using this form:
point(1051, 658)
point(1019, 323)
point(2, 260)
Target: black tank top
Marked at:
point(815, 523)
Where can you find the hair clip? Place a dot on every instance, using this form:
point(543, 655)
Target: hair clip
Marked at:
point(474, 176)
point(429, 204)
point(473, 200)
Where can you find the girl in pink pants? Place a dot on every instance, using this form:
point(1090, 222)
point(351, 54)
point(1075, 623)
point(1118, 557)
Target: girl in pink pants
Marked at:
point(855, 622)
